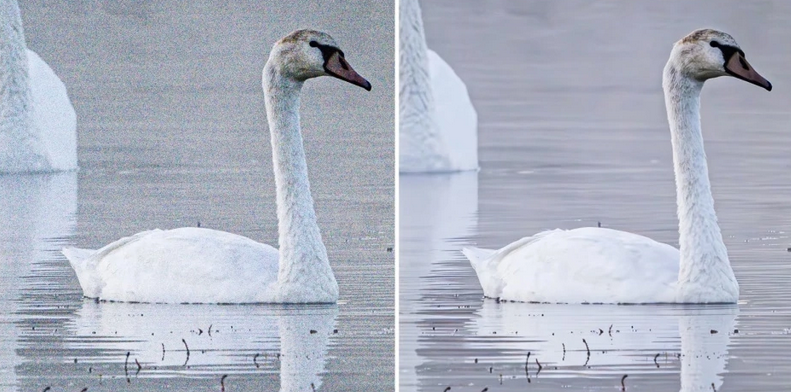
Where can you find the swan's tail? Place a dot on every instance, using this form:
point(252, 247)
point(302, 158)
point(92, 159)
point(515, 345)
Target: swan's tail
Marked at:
point(486, 262)
point(478, 256)
point(485, 265)
point(84, 265)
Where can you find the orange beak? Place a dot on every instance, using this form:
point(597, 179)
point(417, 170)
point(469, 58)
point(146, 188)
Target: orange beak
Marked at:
point(337, 66)
point(738, 66)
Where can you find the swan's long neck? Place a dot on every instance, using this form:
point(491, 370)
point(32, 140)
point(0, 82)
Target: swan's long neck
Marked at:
point(304, 270)
point(20, 146)
point(421, 143)
point(705, 273)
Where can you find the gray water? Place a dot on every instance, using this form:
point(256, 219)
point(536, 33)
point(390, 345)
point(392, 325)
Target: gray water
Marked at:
point(572, 132)
point(172, 132)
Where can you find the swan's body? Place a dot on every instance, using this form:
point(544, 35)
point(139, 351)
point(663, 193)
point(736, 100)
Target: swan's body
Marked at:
point(595, 265)
point(207, 266)
point(438, 127)
point(198, 266)
point(616, 266)
point(37, 121)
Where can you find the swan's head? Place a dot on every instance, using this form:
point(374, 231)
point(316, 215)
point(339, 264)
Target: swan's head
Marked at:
point(708, 53)
point(306, 54)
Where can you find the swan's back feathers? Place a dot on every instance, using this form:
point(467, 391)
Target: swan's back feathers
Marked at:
point(438, 124)
point(439, 127)
point(37, 121)
point(585, 265)
point(181, 265)
point(41, 135)
point(53, 115)
point(455, 115)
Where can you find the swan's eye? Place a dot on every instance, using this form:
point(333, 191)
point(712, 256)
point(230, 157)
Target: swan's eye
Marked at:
point(314, 44)
point(714, 44)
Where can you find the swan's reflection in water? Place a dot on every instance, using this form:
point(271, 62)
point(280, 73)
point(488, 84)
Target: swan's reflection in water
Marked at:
point(37, 212)
point(435, 209)
point(222, 339)
point(692, 338)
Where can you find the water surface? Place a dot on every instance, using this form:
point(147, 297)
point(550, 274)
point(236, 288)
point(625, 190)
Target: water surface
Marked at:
point(172, 133)
point(572, 132)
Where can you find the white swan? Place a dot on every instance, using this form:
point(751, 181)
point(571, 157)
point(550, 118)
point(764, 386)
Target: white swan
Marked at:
point(207, 266)
point(37, 122)
point(598, 265)
point(438, 126)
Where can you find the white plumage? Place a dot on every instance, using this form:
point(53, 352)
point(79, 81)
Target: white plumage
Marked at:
point(208, 266)
point(585, 265)
point(185, 265)
point(596, 265)
point(37, 121)
point(438, 127)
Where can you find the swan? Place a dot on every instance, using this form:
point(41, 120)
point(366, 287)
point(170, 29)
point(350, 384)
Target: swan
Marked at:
point(194, 265)
point(438, 126)
point(37, 122)
point(599, 265)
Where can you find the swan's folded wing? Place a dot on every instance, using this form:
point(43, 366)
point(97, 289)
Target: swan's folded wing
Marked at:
point(181, 265)
point(588, 265)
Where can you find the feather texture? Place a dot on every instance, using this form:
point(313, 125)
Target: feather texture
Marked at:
point(596, 265)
